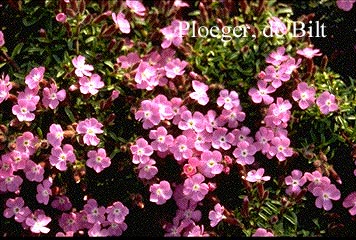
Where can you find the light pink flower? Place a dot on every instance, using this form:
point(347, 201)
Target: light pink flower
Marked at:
point(257, 175)
point(161, 192)
point(280, 148)
point(61, 17)
point(324, 196)
point(147, 170)
point(128, 61)
point(5, 87)
point(137, 7)
point(277, 26)
point(26, 143)
point(98, 160)
point(97, 231)
point(90, 127)
point(95, 213)
point(309, 52)
point(350, 202)
point(345, 5)
point(195, 121)
point(244, 153)
point(294, 182)
point(261, 232)
point(228, 99)
point(55, 135)
point(33, 171)
point(316, 180)
point(38, 224)
point(141, 151)
point(216, 215)
point(15, 208)
point(59, 157)
point(149, 114)
point(69, 222)
point(327, 103)
point(44, 191)
point(199, 93)
point(277, 57)
point(61, 203)
point(174, 33)
point(52, 97)
point(6, 168)
point(121, 22)
point(90, 84)
point(175, 68)
point(182, 148)
point(24, 110)
point(162, 140)
point(10, 184)
point(304, 95)
point(222, 139)
point(2, 40)
point(210, 163)
point(195, 188)
point(261, 94)
point(115, 229)
point(19, 159)
point(117, 212)
point(34, 77)
point(82, 69)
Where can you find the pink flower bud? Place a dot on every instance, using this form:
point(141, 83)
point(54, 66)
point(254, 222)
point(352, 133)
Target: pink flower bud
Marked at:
point(114, 94)
point(61, 17)
point(73, 87)
point(212, 186)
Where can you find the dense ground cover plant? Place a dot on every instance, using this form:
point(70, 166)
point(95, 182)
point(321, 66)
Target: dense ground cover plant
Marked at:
point(115, 120)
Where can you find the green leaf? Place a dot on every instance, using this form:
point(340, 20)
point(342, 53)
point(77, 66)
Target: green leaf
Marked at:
point(69, 114)
point(292, 218)
point(17, 49)
point(39, 132)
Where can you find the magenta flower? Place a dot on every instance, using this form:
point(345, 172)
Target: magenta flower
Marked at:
point(26, 143)
point(350, 202)
point(294, 182)
point(95, 213)
point(90, 84)
point(23, 110)
point(199, 93)
point(164, 107)
point(90, 127)
point(309, 52)
point(10, 184)
point(326, 103)
point(59, 157)
point(244, 153)
point(137, 7)
point(276, 75)
point(34, 172)
point(69, 222)
point(52, 97)
point(197, 231)
point(115, 229)
point(261, 232)
point(44, 191)
point(257, 175)
point(345, 5)
point(149, 113)
point(97, 231)
point(55, 135)
point(324, 196)
point(316, 180)
point(6, 168)
point(38, 224)
point(195, 188)
point(304, 95)
point(117, 212)
point(222, 139)
point(228, 100)
point(61, 17)
point(263, 137)
point(277, 57)
point(19, 159)
point(15, 208)
point(30, 95)
point(175, 68)
point(82, 69)
point(98, 160)
point(2, 40)
point(141, 151)
point(277, 26)
point(61, 203)
point(162, 140)
point(232, 117)
point(161, 192)
point(147, 170)
point(182, 148)
point(261, 94)
point(121, 22)
point(216, 215)
point(210, 163)
point(34, 77)
point(195, 121)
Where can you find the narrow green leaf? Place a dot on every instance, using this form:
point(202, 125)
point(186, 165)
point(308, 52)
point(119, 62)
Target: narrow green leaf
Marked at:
point(69, 114)
point(17, 49)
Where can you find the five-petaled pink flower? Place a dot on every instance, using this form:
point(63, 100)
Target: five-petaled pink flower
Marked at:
point(294, 182)
point(2, 40)
point(82, 69)
point(324, 196)
point(195, 188)
point(261, 232)
point(199, 93)
point(90, 84)
point(98, 160)
point(350, 202)
point(137, 7)
point(141, 151)
point(44, 191)
point(277, 26)
point(117, 212)
point(309, 52)
point(161, 192)
point(34, 77)
point(90, 127)
point(55, 135)
point(216, 215)
point(304, 95)
point(15, 208)
point(52, 97)
point(95, 213)
point(59, 157)
point(345, 5)
point(121, 22)
point(257, 175)
point(327, 103)
point(38, 223)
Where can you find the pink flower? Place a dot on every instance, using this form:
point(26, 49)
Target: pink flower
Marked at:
point(309, 52)
point(210, 163)
point(195, 121)
point(294, 182)
point(34, 77)
point(95, 213)
point(6, 168)
point(90, 127)
point(115, 229)
point(350, 202)
point(61, 17)
point(261, 232)
point(33, 171)
point(30, 95)
point(146, 76)
point(91, 84)
point(5, 87)
point(10, 184)
point(61, 203)
point(15, 208)
point(19, 159)
point(222, 139)
point(149, 113)
point(276, 75)
point(180, 3)
point(175, 68)
point(121, 22)
point(199, 93)
point(39, 223)
point(147, 170)
point(128, 61)
point(232, 117)
point(228, 100)
point(2, 40)
point(326, 103)
point(216, 215)
point(182, 148)
point(141, 151)
point(244, 153)
point(324, 196)
point(174, 33)
point(345, 5)
point(211, 121)
point(26, 143)
point(97, 231)
point(164, 107)
point(69, 222)
point(316, 180)
point(304, 95)
point(197, 231)
point(55, 135)
point(280, 148)
point(195, 188)
point(257, 175)
point(98, 160)
point(263, 137)
point(137, 7)
point(59, 157)
point(262, 93)
point(117, 212)
point(162, 140)
point(161, 192)
point(23, 110)
point(44, 191)
point(277, 26)
point(52, 97)
point(82, 69)
point(277, 57)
